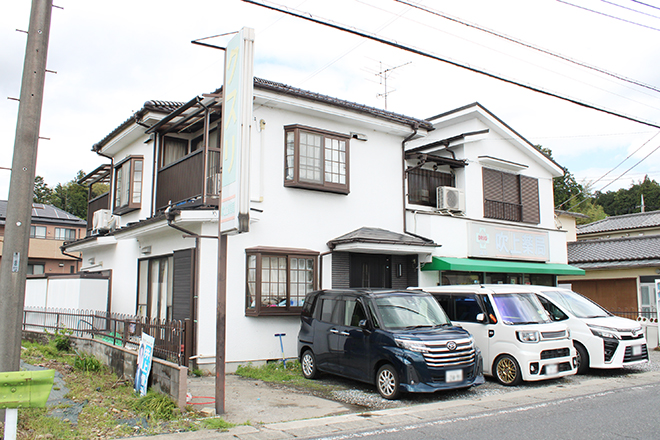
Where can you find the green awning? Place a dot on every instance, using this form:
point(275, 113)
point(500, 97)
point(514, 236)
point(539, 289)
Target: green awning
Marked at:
point(477, 265)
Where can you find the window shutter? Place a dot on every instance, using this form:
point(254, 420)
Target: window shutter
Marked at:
point(510, 188)
point(529, 193)
point(492, 184)
point(183, 284)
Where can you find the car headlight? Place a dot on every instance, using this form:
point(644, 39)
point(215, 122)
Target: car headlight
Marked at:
point(637, 331)
point(604, 332)
point(407, 344)
point(530, 336)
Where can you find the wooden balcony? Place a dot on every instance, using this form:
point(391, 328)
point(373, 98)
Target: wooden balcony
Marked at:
point(99, 202)
point(184, 182)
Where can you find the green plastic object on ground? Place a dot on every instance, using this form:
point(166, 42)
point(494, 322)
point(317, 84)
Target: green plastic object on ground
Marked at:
point(25, 389)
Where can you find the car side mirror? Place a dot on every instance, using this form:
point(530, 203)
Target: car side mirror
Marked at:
point(363, 323)
point(481, 318)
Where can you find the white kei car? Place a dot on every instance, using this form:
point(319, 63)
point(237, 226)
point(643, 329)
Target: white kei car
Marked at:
point(601, 339)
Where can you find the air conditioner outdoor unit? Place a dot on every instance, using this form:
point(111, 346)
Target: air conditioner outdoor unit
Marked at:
point(103, 221)
point(450, 199)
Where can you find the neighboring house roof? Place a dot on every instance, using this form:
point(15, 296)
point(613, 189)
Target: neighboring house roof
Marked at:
point(170, 106)
point(622, 252)
point(622, 222)
point(380, 236)
point(570, 214)
point(46, 214)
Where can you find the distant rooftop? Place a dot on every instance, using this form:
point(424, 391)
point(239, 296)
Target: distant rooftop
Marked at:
point(640, 251)
point(45, 214)
point(622, 223)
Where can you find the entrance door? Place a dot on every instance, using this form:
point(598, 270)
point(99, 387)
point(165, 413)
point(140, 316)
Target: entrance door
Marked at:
point(370, 270)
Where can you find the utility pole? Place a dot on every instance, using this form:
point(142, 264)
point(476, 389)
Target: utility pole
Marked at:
point(21, 186)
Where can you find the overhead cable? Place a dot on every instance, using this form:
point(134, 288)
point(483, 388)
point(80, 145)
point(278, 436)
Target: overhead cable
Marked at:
point(608, 15)
point(528, 45)
point(393, 43)
point(629, 9)
point(645, 4)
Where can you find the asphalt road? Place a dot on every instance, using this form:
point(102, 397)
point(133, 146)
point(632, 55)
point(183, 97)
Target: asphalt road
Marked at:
point(628, 413)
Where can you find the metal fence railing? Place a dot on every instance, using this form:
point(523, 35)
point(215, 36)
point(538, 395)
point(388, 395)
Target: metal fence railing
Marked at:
point(114, 328)
point(637, 315)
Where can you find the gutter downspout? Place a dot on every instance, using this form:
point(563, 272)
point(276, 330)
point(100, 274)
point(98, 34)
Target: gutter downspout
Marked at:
point(170, 219)
point(415, 128)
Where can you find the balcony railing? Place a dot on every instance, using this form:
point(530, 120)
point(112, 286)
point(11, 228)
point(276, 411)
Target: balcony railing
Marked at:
point(503, 211)
point(100, 202)
point(181, 182)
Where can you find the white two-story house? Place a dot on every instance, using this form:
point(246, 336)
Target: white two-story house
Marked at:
point(341, 195)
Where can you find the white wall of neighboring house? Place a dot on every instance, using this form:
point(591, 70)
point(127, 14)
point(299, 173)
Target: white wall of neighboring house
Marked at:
point(67, 293)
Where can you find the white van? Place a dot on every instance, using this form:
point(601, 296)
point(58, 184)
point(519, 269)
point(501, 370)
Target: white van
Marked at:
point(601, 339)
point(517, 338)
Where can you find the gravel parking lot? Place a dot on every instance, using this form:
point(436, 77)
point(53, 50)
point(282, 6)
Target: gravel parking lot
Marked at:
point(366, 396)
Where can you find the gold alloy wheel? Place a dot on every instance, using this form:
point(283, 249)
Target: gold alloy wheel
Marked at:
point(507, 370)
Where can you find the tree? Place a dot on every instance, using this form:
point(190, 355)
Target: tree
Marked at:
point(71, 197)
point(42, 193)
point(628, 201)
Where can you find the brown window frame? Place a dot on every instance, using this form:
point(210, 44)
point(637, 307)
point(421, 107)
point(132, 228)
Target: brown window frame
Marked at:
point(510, 197)
point(254, 275)
point(130, 204)
point(292, 160)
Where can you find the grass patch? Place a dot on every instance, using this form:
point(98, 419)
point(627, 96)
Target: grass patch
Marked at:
point(275, 372)
point(217, 423)
point(110, 406)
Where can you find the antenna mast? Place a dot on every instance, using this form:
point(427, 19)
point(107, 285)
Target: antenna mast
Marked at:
point(383, 74)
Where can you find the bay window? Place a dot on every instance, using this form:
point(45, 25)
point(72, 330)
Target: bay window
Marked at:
point(128, 185)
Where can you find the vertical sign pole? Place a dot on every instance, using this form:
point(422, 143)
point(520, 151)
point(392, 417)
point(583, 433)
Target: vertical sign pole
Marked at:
point(657, 306)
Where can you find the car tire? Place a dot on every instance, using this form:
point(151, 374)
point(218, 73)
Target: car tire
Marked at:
point(582, 358)
point(507, 370)
point(308, 365)
point(387, 382)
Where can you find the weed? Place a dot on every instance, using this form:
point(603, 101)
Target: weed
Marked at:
point(86, 362)
point(217, 423)
point(197, 372)
point(156, 406)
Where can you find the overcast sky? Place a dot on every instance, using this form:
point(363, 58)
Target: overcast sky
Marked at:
point(111, 57)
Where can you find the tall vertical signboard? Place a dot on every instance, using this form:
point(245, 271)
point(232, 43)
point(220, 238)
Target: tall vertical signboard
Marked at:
point(236, 129)
point(657, 305)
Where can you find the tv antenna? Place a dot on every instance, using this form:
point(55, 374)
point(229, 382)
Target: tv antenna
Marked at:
point(383, 74)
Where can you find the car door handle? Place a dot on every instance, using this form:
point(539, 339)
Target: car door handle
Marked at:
point(344, 333)
point(334, 331)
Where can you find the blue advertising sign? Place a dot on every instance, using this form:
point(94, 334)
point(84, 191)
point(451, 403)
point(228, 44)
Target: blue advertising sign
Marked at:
point(145, 355)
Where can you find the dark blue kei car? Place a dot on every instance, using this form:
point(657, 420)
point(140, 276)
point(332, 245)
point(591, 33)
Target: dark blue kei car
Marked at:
point(401, 341)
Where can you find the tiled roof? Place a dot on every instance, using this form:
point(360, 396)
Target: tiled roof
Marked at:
point(312, 96)
point(381, 236)
point(45, 214)
point(170, 106)
point(622, 222)
point(630, 250)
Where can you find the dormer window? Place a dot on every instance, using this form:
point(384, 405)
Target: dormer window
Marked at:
point(316, 159)
point(128, 185)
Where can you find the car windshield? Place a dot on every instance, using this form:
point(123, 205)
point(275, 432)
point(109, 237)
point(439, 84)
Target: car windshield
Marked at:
point(520, 308)
point(577, 304)
point(410, 311)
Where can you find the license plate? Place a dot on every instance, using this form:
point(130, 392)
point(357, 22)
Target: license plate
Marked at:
point(454, 376)
point(637, 350)
point(551, 369)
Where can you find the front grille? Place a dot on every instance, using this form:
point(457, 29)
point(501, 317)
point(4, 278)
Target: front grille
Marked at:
point(631, 337)
point(557, 353)
point(628, 357)
point(439, 356)
point(554, 335)
point(610, 346)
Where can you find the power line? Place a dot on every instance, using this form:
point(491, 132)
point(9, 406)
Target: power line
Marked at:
point(528, 45)
point(608, 15)
point(645, 4)
point(629, 9)
point(392, 43)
